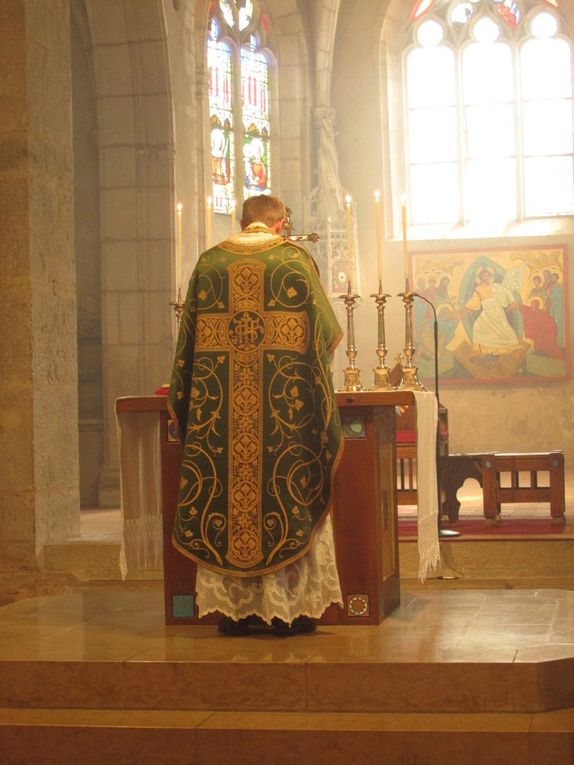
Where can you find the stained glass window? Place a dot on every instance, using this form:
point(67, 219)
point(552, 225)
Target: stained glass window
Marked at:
point(489, 110)
point(255, 100)
point(221, 122)
point(239, 102)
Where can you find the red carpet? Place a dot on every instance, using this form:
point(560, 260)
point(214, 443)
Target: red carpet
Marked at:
point(478, 527)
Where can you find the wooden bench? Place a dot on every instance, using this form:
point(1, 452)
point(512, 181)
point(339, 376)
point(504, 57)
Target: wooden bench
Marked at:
point(489, 468)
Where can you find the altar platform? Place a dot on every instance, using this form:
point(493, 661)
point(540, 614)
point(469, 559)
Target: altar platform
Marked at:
point(455, 677)
point(513, 554)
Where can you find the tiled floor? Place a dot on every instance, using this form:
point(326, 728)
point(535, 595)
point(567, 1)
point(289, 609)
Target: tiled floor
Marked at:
point(126, 623)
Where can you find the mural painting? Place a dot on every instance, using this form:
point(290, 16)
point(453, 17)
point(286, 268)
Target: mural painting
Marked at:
point(501, 315)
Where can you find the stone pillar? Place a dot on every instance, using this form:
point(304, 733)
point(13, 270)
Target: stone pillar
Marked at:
point(39, 497)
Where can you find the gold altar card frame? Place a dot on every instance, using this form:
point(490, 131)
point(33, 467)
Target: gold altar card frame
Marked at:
point(502, 314)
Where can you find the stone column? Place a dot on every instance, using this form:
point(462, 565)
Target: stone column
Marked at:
point(39, 497)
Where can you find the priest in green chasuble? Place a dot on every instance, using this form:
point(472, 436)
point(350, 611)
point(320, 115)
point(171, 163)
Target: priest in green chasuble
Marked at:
point(252, 394)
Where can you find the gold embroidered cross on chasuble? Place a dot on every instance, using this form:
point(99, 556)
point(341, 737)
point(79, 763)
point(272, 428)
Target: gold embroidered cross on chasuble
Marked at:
point(252, 394)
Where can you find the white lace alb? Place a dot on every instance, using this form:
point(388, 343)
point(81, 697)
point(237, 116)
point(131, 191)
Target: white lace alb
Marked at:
point(303, 588)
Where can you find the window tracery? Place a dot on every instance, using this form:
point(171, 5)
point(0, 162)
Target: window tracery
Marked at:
point(239, 61)
point(489, 111)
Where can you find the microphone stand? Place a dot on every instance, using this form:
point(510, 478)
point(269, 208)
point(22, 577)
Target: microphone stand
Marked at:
point(441, 532)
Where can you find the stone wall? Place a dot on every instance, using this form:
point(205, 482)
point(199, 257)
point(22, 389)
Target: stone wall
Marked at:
point(38, 388)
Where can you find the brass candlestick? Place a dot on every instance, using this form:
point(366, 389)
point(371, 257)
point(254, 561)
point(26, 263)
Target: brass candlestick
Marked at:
point(352, 373)
point(178, 305)
point(410, 379)
point(382, 381)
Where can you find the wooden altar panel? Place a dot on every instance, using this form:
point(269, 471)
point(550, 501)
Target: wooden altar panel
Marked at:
point(364, 514)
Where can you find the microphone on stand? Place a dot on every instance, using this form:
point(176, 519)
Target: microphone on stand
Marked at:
point(442, 532)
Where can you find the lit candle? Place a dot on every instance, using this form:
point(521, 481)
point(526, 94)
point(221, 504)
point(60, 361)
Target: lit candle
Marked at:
point(179, 246)
point(232, 218)
point(349, 240)
point(405, 244)
point(208, 222)
point(379, 236)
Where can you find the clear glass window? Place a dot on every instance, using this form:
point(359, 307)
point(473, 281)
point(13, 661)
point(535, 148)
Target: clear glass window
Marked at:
point(489, 111)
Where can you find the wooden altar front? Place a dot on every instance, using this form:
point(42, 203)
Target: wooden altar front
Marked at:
point(364, 511)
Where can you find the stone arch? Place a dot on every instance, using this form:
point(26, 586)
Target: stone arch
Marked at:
point(135, 130)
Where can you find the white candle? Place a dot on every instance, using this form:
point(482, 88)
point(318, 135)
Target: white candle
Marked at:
point(208, 222)
point(378, 232)
point(348, 201)
point(232, 218)
point(405, 243)
point(179, 246)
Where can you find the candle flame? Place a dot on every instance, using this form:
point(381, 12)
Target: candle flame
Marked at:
point(209, 200)
point(179, 208)
point(377, 195)
point(403, 200)
point(348, 200)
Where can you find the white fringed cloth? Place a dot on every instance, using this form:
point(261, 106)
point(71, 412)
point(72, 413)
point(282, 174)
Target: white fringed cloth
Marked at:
point(140, 479)
point(427, 491)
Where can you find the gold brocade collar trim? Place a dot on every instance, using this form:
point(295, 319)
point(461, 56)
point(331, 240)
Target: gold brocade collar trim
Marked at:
point(256, 237)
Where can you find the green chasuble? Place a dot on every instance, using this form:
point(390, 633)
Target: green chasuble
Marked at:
point(252, 394)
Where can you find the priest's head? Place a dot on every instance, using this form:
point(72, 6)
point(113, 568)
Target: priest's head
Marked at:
point(264, 209)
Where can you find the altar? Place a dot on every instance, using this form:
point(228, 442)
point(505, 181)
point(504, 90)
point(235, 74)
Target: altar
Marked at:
point(364, 506)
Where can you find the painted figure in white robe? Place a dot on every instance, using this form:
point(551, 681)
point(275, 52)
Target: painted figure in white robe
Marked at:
point(492, 333)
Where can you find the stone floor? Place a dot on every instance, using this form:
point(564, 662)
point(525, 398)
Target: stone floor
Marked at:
point(477, 677)
point(455, 675)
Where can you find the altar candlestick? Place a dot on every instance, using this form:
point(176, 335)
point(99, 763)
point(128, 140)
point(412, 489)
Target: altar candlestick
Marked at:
point(349, 240)
point(405, 244)
point(208, 223)
point(379, 236)
point(179, 246)
point(232, 218)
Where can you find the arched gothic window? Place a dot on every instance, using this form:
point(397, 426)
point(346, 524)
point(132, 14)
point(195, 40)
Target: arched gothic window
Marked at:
point(488, 111)
point(239, 59)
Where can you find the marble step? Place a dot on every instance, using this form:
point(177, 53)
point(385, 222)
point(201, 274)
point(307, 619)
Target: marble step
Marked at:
point(85, 559)
point(493, 559)
point(156, 737)
point(260, 682)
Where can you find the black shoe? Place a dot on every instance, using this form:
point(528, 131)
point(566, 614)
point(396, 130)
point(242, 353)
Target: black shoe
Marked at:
point(302, 625)
point(283, 629)
point(232, 627)
point(305, 624)
point(256, 621)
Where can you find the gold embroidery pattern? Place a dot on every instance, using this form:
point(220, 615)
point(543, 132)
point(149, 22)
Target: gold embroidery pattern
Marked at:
point(249, 248)
point(248, 331)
